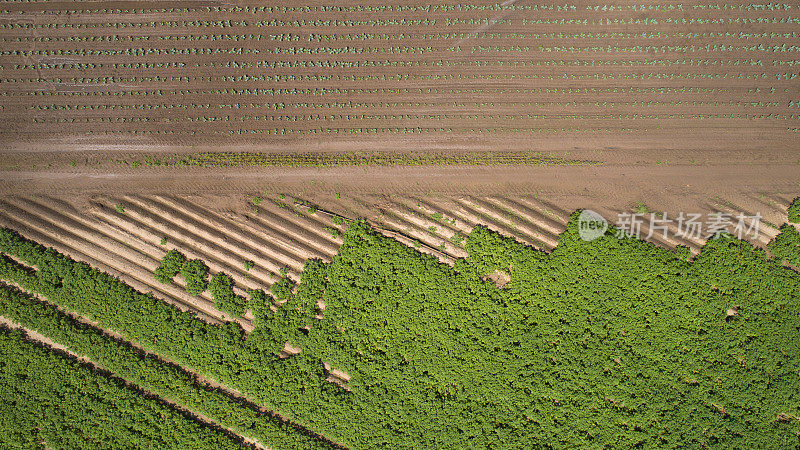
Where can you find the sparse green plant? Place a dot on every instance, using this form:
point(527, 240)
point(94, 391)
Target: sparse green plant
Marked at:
point(641, 208)
point(120, 208)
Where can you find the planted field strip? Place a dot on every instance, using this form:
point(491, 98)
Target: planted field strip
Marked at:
point(303, 229)
point(222, 251)
point(47, 342)
point(177, 385)
point(53, 232)
point(280, 249)
point(408, 73)
point(442, 232)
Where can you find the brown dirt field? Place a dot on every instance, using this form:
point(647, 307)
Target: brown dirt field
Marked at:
point(122, 76)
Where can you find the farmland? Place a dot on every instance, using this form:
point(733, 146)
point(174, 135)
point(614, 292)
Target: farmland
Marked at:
point(469, 76)
point(331, 225)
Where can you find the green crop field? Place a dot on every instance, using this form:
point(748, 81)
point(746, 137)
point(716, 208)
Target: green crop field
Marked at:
point(613, 342)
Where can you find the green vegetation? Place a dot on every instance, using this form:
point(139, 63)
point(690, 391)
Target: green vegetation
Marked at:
point(49, 400)
point(221, 288)
point(163, 241)
point(794, 211)
point(249, 265)
point(120, 208)
point(149, 373)
point(334, 232)
point(195, 273)
point(256, 200)
point(457, 238)
point(605, 343)
point(259, 305)
point(170, 266)
point(786, 245)
point(437, 216)
point(683, 252)
point(375, 158)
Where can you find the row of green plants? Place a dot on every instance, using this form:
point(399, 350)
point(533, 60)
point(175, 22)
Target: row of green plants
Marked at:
point(378, 158)
point(50, 400)
point(613, 342)
point(146, 371)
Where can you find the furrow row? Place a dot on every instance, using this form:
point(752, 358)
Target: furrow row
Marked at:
point(81, 249)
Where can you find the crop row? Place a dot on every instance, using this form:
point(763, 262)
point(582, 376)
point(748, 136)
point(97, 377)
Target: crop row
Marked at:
point(51, 399)
point(425, 8)
point(150, 373)
point(457, 36)
point(374, 105)
point(246, 78)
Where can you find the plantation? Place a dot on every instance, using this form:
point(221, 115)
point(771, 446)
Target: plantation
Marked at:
point(484, 73)
point(608, 342)
point(50, 398)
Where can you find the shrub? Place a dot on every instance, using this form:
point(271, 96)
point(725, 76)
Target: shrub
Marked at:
point(194, 273)
point(221, 288)
point(794, 211)
point(170, 265)
point(786, 245)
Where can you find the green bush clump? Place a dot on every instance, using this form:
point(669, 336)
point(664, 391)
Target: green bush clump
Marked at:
point(195, 273)
point(794, 211)
point(259, 305)
point(786, 245)
point(221, 288)
point(49, 398)
point(170, 265)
